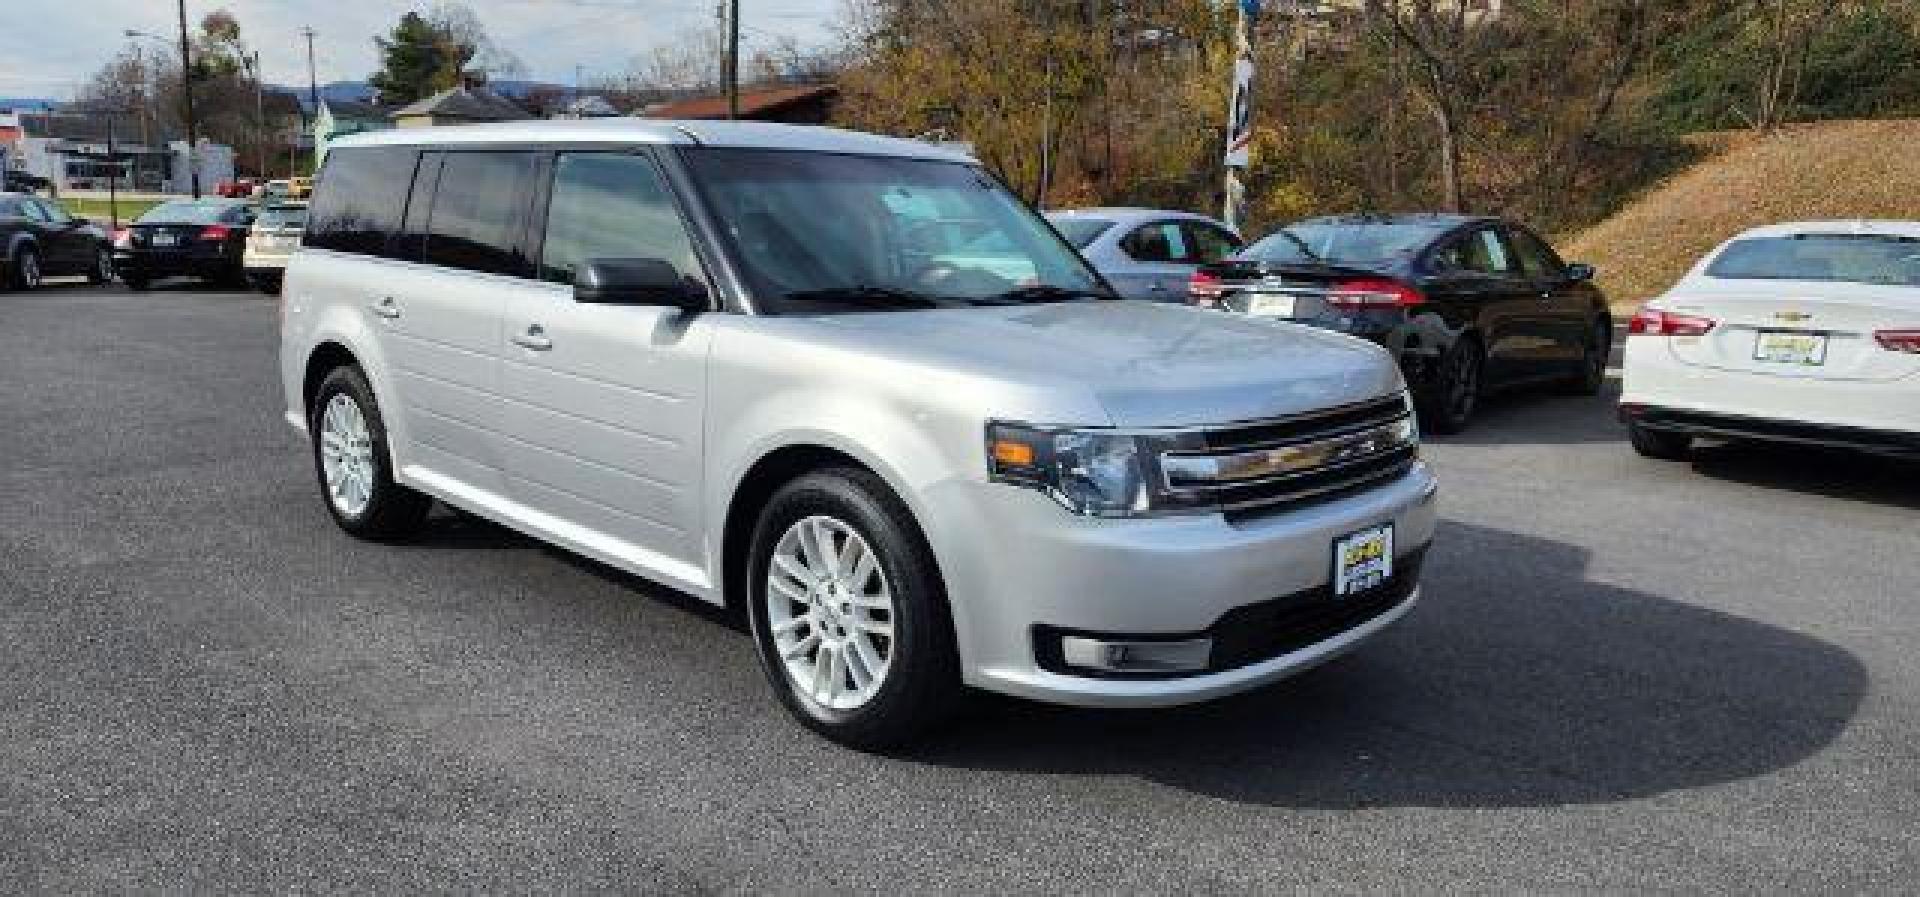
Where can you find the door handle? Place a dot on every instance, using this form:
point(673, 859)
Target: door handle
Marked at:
point(535, 338)
point(387, 308)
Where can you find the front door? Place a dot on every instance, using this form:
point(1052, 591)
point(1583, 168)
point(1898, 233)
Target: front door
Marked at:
point(605, 403)
point(1566, 301)
point(1480, 280)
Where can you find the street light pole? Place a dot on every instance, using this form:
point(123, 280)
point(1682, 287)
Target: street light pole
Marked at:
point(186, 87)
point(733, 59)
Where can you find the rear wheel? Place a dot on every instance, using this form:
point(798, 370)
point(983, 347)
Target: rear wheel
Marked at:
point(849, 615)
point(353, 461)
point(1448, 402)
point(1659, 444)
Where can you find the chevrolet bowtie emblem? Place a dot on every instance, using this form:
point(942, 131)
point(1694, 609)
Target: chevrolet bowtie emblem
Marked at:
point(1792, 317)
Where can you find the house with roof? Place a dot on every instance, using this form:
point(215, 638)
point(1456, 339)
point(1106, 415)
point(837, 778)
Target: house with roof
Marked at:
point(461, 105)
point(338, 118)
point(794, 104)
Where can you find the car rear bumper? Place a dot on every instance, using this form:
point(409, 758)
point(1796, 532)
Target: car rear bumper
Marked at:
point(165, 265)
point(1762, 405)
point(1729, 426)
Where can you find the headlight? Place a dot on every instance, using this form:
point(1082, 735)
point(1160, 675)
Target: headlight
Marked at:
point(1089, 472)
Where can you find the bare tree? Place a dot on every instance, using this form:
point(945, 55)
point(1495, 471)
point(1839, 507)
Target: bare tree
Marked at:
point(1789, 28)
point(1449, 42)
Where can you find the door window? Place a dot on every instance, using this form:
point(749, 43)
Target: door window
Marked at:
point(34, 211)
point(611, 205)
point(356, 205)
point(1210, 243)
point(479, 212)
point(52, 212)
point(1537, 260)
point(1160, 242)
point(1481, 252)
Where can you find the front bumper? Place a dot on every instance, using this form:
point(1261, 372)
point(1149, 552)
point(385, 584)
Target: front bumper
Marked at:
point(1021, 571)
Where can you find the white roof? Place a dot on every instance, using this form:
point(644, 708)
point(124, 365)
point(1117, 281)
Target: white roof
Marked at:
point(751, 134)
point(1790, 228)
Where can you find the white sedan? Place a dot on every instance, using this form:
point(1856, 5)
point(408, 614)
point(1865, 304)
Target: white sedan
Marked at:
point(1805, 333)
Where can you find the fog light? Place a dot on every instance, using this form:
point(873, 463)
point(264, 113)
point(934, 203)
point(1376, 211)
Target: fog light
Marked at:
point(1136, 657)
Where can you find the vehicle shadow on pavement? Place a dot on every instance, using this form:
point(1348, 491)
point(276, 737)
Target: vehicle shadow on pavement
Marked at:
point(1833, 473)
point(1517, 682)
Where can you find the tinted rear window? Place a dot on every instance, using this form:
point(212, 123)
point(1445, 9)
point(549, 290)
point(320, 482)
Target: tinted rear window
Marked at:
point(358, 201)
point(1081, 232)
point(282, 216)
point(480, 212)
point(1343, 242)
point(188, 212)
point(1855, 258)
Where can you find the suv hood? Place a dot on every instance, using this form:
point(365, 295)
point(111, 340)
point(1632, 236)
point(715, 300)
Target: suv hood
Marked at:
point(1148, 364)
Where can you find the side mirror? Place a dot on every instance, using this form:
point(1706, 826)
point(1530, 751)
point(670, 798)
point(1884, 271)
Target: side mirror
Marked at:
point(636, 281)
point(1578, 272)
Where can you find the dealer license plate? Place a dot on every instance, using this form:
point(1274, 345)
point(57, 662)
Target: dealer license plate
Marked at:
point(1269, 305)
point(1788, 347)
point(1363, 560)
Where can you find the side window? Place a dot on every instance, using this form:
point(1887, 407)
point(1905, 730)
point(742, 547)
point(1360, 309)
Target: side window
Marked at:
point(33, 211)
point(1162, 242)
point(411, 243)
point(1210, 243)
point(1480, 252)
point(52, 211)
point(611, 205)
point(357, 207)
point(1536, 258)
point(479, 212)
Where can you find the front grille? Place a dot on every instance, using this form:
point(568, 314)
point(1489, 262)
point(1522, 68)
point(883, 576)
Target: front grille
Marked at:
point(1264, 467)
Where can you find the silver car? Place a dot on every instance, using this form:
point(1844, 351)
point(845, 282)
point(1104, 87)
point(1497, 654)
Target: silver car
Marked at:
point(853, 388)
point(1146, 253)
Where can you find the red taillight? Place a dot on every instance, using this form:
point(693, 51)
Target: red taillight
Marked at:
point(215, 232)
point(1899, 340)
point(1373, 292)
point(1204, 288)
point(1654, 322)
point(122, 236)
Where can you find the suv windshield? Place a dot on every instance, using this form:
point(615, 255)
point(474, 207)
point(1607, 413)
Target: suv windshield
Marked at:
point(814, 230)
point(1342, 242)
point(1855, 258)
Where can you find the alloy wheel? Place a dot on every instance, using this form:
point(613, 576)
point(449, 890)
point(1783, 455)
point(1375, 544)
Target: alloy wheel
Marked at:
point(830, 612)
point(346, 455)
point(29, 270)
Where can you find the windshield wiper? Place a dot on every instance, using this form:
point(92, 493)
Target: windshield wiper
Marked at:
point(1044, 293)
point(866, 295)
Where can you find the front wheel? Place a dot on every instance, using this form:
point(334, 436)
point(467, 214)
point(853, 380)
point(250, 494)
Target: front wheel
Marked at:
point(849, 615)
point(354, 462)
point(102, 270)
point(26, 270)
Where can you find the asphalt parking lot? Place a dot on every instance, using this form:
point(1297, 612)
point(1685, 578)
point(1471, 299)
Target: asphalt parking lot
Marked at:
point(1625, 674)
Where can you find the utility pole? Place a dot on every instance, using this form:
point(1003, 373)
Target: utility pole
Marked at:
point(733, 59)
point(186, 87)
point(259, 113)
point(313, 79)
point(113, 173)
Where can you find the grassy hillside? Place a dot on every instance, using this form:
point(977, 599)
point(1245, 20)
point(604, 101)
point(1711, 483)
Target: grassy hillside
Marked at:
point(1844, 169)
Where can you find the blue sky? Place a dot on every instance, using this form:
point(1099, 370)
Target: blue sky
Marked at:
point(49, 46)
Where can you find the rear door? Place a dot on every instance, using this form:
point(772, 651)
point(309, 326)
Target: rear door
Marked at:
point(605, 403)
point(1159, 256)
point(68, 243)
point(1479, 283)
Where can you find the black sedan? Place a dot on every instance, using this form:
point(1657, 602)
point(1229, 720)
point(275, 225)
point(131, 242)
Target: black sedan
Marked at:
point(39, 239)
point(1467, 303)
point(205, 238)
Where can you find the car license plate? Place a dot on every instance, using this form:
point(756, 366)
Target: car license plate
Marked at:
point(1270, 305)
point(165, 238)
point(1363, 560)
point(1788, 347)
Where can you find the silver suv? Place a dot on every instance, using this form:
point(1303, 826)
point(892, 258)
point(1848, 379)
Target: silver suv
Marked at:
point(853, 388)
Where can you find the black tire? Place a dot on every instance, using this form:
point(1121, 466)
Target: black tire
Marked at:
point(922, 685)
point(1591, 378)
point(25, 274)
point(102, 270)
point(136, 282)
point(1659, 444)
point(1447, 403)
point(392, 511)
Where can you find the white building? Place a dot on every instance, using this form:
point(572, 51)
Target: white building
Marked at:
point(71, 150)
